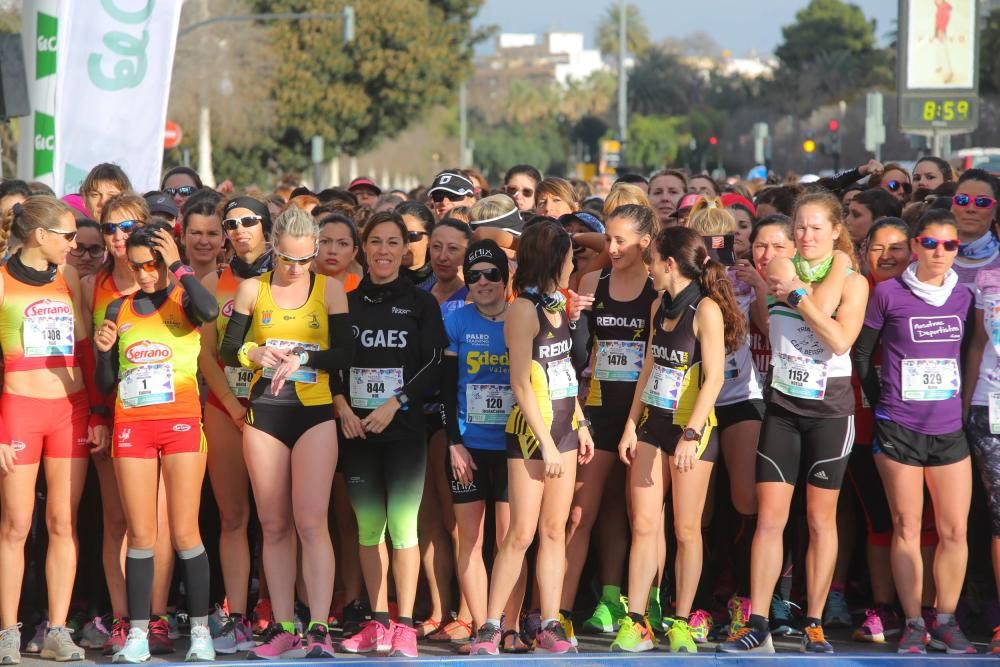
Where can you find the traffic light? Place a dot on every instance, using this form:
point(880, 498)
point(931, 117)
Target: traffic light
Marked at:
point(713, 140)
point(834, 126)
point(809, 146)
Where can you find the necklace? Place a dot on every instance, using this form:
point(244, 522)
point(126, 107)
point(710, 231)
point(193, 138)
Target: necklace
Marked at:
point(492, 317)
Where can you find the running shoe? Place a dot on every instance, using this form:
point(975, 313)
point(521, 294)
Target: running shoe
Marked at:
point(318, 644)
point(78, 617)
point(244, 633)
point(878, 624)
point(403, 642)
point(277, 644)
point(263, 617)
point(913, 639)
point(814, 641)
point(224, 639)
point(836, 614)
point(633, 637)
point(567, 624)
point(782, 623)
point(136, 648)
point(176, 623)
point(552, 639)
point(995, 642)
point(531, 625)
point(948, 637)
point(929, 614)
point(373, 637)
point(94, 634)
point(747, 640)
point(10, 645)
point(486, 641)
point(681, 638)
point(58, 645)
point(700, 624)
point(739, 613)
point(117, 638)
point(654, 614)
point(217, 620)
point(160, 642)
point(607, 616)
point(34, 644)
point(355, 613)
point(202, 648)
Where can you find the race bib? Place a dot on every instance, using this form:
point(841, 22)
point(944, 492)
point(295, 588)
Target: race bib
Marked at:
point(929, 379)
point(149, 384)
point(488, 403)
point(239, 380)
point(995, 412)
point(562, 379)
point(619, 360)
point(304, 374)
point(663, 387)
point(371, 387)
point(732, 371)
point(799, 376)
point(48, 336)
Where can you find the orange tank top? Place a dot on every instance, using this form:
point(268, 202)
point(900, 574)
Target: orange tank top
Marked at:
point(36, 324)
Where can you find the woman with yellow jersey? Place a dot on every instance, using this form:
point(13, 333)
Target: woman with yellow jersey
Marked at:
point(246, 221)
point(46, 354)
point(299, 335)
point(149, 343)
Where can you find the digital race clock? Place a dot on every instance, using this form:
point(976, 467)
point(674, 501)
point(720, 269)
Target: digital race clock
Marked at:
point(946, 112)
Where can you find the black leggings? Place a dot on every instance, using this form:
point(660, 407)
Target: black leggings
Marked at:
point(986, 448)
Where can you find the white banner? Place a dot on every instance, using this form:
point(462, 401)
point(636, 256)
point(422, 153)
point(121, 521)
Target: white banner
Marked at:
point(40, 22)
point(113, 84)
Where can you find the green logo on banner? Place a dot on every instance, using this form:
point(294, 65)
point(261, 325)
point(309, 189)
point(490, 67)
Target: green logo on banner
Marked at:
point(45, 144)
point(45, 45)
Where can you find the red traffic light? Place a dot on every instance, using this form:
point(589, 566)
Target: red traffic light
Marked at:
point(713, 140)
point(834, 125)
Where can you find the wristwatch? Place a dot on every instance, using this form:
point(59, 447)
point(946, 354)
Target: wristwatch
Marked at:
point(302, 353)
point(584, 423)
point(691, 434)
point(795, 297)
point(403, 399)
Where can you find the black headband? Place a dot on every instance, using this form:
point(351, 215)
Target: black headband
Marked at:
point(252, 204)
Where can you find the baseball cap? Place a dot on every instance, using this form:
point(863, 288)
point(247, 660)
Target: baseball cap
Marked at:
point(689, 200)
point(364, 181)
point(731, 199)
point(588, 220)
point(160, 203)
point(456, 184)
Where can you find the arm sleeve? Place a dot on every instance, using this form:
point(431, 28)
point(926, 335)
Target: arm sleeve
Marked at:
point(433, 340)
point(107, 369)
point(449, 398)
point(864, 348)
point(198, 302)
point(232, 340)
point(341, 351)
point(580, 334)
point(849, 177)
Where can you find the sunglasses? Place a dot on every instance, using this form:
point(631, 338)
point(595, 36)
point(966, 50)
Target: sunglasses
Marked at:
point(981, 201)
point(301, 261)
point(527, 193)
point(82, 249)
point(493, 275)
point(439, 197)
point(928, 243)
point(183, 191)
point(893, 186)
point(147, 267)
point(67, 234)
point(230, 224)
point(126, 226)
point(413, 237)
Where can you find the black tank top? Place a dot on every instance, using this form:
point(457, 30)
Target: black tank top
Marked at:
point(620, 332)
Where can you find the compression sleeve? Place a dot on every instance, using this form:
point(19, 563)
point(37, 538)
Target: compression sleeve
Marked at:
point(232, 340)
point(864, 349)
point(199, 304)
point(849, 177)
point(579, 332)
point(341, 351)
point(449, 398)
point(107, 369)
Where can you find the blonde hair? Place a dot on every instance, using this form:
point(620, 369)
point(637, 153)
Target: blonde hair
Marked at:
point(558, 187)
point(491, 207)
point(709, 218)
point(622, 194)
point(294, 222)
point(135, 205)
point(36, 212)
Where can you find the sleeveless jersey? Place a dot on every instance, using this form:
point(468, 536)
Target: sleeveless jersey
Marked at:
point(553, 381)
point(157, 361)
point(673, 385)
point(105, 291)
point(620, 336)
point(306, 326)
point(741, 381)
point(225, 294)
point(36, 324)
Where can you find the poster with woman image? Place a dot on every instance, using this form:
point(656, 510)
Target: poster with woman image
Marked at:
point(940, 44)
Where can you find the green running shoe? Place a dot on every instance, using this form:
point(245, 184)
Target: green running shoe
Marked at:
point(654, 615)
point(607, 616)
point(680, 637)
point(633, 637)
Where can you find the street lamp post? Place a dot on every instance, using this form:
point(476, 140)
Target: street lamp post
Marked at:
point(622, 82)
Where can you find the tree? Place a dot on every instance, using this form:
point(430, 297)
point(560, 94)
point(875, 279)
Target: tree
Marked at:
point(540, 144)
point(825, 26)
point(636, 32)
point(407, 55)
point(660, 84)
point(654, 141)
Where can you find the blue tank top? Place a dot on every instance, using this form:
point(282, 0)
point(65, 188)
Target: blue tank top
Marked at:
point(485, 398)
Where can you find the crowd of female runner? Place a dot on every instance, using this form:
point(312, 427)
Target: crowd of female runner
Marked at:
point(676, 409)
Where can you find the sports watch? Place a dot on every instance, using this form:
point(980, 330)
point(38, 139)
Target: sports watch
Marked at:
point(795, 297)
point(691, 434)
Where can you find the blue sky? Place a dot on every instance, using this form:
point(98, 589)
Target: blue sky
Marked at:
point(737, 25)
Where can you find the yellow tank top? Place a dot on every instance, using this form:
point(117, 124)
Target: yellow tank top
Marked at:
point(306, 326)
point(36, 324)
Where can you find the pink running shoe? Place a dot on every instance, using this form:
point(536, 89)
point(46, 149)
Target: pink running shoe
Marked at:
point(116, 640)
point(373, 637)
point(552, 639)
point(318, 644)
point(486, 641)
point(277, 644)
point(404, 641)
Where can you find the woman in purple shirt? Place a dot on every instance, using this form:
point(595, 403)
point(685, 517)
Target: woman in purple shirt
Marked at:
point(920, 319)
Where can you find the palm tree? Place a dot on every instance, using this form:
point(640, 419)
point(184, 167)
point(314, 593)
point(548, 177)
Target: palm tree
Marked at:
point(636, 32)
